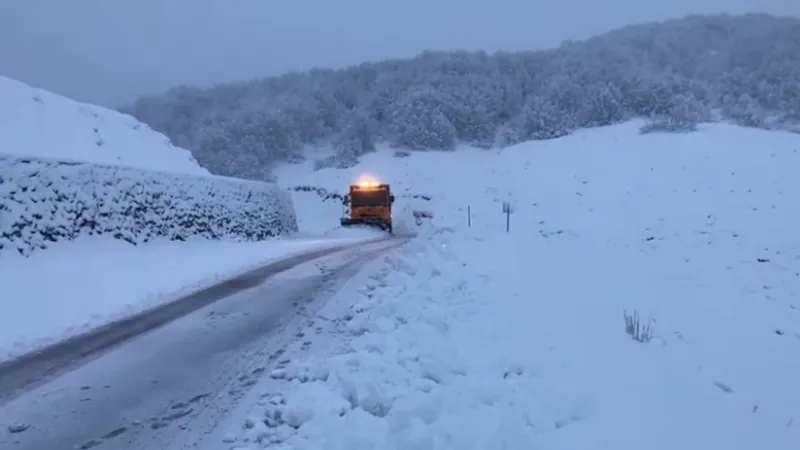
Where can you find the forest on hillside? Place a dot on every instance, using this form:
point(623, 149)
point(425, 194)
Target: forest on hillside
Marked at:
point(677, 73)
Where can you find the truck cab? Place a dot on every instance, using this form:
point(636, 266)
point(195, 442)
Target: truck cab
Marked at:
point(370, 204)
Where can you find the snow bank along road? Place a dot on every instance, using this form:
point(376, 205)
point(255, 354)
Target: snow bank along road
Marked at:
point(193, 369)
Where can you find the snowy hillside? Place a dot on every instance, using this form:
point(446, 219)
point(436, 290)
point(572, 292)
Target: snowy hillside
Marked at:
point(71, 170)
point(477, 338)
point(38, 123)
point(677, 73)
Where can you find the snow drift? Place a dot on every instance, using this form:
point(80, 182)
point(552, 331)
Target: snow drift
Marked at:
point(68, 169)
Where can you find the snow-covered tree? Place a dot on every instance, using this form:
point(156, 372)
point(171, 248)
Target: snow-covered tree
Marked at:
point(541, 119)
point(356, 139)
point(683, 114)
point(417, 121)
point(673, 73)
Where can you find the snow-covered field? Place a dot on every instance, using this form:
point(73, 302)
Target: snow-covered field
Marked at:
point(478, 338)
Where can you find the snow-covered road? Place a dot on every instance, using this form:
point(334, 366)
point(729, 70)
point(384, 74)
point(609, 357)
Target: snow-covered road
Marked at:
point(170, 387)
point(115, 280)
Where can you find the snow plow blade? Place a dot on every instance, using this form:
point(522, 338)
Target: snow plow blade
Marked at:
point(369, 222)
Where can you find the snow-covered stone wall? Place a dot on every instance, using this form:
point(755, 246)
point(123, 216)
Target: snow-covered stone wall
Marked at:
point(44, 201)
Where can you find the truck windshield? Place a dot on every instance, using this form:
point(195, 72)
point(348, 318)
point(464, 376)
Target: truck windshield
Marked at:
point(369, 198)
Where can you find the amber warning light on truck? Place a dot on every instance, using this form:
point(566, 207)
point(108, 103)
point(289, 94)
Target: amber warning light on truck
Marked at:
point(366, 182)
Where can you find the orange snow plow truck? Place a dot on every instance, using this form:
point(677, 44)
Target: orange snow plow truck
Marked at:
point(370, 204)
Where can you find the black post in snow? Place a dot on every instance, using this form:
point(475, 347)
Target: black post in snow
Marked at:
point(507, 211)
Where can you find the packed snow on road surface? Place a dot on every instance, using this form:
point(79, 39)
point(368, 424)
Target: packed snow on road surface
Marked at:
point(644, 296)
point(79, 285)
point(59, 289)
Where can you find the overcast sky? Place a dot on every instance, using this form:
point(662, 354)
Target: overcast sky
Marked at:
point(111, 51)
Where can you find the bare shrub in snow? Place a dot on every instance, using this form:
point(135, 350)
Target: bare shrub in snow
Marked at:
point(635, 329)
point(682, 115)
point(323, 193)
point(666, 124)
point(325, 163)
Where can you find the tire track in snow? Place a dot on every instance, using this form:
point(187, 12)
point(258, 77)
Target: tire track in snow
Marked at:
point(173, 385)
